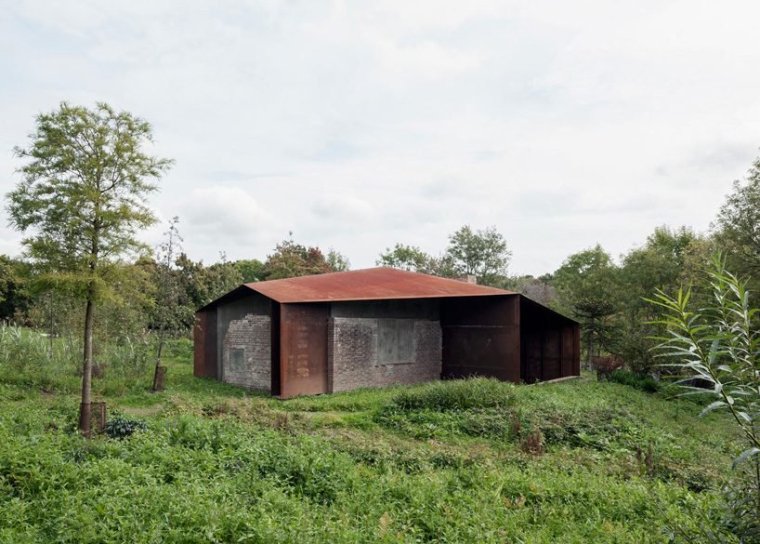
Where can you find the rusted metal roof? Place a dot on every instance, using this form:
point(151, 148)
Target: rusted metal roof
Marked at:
point(368, 284)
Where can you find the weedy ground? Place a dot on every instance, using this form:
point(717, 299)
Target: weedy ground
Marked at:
point(462, 461)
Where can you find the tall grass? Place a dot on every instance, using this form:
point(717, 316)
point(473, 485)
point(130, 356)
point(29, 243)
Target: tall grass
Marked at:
point(30, 358)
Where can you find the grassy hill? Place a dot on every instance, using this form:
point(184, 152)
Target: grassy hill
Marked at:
point(472, 461)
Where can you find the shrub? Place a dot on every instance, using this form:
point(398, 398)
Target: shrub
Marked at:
point(720, 345)
point(456, 395)
point(122, 427)
point(635, 380)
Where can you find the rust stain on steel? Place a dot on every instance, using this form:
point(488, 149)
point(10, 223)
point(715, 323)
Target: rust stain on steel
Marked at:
point(481, 337)
point(204, 344)
point(303, 349)
point(369, 284)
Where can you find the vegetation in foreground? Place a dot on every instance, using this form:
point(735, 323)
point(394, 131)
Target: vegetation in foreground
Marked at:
point(472, 461)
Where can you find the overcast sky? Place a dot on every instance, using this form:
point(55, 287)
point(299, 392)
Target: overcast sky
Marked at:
point(357, 125)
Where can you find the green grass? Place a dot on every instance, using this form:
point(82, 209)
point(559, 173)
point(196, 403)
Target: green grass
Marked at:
point(443, 462)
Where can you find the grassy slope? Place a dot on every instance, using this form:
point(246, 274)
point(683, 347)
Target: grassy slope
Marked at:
point(442, 463)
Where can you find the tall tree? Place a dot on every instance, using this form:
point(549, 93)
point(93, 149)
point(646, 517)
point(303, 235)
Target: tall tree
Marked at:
point(587, 286)
point(668, 260)
point(167, 316)
point(409, 258)
point(82, 200)
point(738, 225)
point(483, 253)
point(291, 259)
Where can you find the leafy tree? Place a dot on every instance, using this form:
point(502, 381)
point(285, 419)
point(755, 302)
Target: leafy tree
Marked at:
point(251, 270)
point(168, 315)
point(670, 258)
point(538, 289)
point(587, 285)
point(82, 200)
point(337, 261)
point(291, 259)
point(14, 295)
point(481, 253)
point(409, 258)
point(738, 224)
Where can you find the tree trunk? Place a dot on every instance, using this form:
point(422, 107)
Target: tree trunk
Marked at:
point(590, 348)
point(159, 372)
point(85, 409)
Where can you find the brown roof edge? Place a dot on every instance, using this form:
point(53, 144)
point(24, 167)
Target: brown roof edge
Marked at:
point(367, 284)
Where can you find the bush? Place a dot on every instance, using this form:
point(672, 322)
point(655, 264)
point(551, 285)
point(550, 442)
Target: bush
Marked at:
point(635, 380)
point(456, 395)
point(121, 427)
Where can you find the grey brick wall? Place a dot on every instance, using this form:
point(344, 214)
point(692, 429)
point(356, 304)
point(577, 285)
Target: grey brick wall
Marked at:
point(374, 344)
point(245, 351)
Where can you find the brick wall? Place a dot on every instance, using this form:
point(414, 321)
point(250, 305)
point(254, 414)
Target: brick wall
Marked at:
point(378, 344)
point(247, 353)
point(245, 338)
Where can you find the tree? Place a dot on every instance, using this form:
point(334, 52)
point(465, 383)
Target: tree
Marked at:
point(587, 285)
point(168, 311)
point(82, 200)
point(291, 259)
point(14, 295)
point(738, 224)
point(337, 261)
point(481, 253)
point(409, 258)
point(670, 259)
point(251, 270)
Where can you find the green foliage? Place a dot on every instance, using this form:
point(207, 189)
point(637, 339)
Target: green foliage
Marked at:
point(122, 427)
point(639, 381)
point(587, 284)
point(84, 186)
point(217, 464)
point(250, 270)
point(404, 257)
point(291, 259)
point(670, 258)
point(720, 345)
point(737, 224)
point(456, 395)
point(483, 253)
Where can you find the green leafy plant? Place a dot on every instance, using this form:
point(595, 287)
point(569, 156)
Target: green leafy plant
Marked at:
point(719, 345)
point(122, 427)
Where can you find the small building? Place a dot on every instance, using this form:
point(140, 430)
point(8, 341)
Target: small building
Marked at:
point(376, 327)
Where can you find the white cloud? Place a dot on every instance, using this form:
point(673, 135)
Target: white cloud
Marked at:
point(359, 125)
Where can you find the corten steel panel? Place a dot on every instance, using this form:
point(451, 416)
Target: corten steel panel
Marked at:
point(552, 354)
point(204, 348)
point(531, 356)
point(276, 381)
point(303, 349)
point(567, 351)
point(577, 348)
point(481, 338)
point(199, 344)
point(369, 284)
